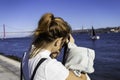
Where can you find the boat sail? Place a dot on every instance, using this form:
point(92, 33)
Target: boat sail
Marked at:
point(93, 34)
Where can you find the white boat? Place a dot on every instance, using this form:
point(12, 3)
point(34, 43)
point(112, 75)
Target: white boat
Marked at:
point(93, 35)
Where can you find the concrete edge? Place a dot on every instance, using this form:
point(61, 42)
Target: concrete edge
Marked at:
point(10, 61)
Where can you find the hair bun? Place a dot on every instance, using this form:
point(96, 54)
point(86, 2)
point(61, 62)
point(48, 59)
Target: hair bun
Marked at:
point(44, 23)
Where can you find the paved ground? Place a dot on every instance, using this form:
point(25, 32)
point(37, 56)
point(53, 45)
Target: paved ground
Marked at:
point(9, 69)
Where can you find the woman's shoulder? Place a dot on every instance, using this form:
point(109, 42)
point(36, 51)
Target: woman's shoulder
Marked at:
point(56, 69)
point(53, 62)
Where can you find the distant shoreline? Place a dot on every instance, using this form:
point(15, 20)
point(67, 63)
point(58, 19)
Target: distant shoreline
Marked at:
point(81, 31)
point(99, 30)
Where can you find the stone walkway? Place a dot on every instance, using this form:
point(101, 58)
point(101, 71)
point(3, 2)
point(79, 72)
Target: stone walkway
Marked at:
point(9, 69)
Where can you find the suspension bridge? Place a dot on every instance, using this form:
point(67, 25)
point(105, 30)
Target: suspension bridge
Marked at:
point(4, 34)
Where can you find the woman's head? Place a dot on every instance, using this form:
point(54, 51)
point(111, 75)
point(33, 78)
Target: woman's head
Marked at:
point(49, 29)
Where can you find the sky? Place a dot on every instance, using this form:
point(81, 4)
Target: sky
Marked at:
point(23, 15)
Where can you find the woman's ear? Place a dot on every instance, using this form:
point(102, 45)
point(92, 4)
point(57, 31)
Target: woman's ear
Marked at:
point(58, 42)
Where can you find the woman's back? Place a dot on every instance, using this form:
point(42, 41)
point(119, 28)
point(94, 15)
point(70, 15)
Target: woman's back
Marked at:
point(50, 69)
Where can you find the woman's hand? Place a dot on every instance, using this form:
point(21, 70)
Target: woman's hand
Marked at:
point(71, 39)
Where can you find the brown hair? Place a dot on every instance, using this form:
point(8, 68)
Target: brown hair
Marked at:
point(49, 28)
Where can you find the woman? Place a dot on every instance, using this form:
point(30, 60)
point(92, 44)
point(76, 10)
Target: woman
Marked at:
point(49, 37)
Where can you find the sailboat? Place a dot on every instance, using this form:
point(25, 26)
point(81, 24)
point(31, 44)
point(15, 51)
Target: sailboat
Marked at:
point(93, 35)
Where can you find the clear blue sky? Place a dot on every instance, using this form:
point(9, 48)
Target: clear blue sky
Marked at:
point(23, 15)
